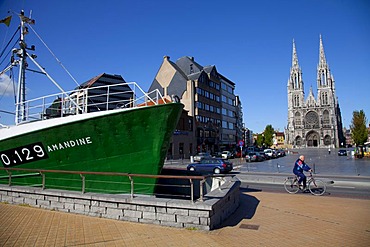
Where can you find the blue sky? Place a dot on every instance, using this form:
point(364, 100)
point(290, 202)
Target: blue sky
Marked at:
point(249, 42)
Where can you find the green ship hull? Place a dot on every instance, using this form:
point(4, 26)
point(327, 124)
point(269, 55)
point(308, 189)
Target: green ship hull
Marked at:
point(123, 141)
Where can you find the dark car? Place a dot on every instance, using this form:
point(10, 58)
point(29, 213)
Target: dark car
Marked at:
point(216, 155)
point(211, 166)
point(254, 156)
point(265, 156)
point(342, 152)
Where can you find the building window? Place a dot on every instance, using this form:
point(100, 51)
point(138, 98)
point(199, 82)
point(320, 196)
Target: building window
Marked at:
point(296, 82)
point(297, 119)
point(327, 140)
point(325, 117)
point(324, 98)
point(298, 141)
point(296, 100)
point(190, 123)
point(224, 99)
point(312, 120)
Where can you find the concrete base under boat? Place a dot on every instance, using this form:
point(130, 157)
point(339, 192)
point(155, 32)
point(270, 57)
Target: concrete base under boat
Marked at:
point(209, 214)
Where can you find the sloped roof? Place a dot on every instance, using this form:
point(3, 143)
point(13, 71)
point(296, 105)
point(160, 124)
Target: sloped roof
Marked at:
point(90, 82)
point(188, 65)
point(194, 76)
point(93, 80)
point(208, 69)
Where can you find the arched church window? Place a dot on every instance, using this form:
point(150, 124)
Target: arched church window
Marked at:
point(298, 141)
point(323, 79)
point(312, 120)
point(296, 84)
point(327, 140)
point(297, 119)
point(296, 101)
point(324, 98)
point(325, 117)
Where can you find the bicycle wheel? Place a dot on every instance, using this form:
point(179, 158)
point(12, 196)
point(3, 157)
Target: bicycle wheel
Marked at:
point(317, 187)
point(291, 185)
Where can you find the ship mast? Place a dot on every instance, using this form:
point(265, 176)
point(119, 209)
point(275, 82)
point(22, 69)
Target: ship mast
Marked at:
point(21, 111)
point(20, 114)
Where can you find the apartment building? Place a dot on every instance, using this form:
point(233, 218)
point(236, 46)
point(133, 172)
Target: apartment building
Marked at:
point(209, 100)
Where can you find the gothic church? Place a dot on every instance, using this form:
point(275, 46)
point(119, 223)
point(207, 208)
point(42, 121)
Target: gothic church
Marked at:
point(313, 122)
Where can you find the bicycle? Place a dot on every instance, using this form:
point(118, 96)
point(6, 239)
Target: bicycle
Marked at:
point(317, 187)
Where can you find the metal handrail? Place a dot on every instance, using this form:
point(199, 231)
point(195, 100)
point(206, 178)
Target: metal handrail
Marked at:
point(77, 101)
point(131, 177)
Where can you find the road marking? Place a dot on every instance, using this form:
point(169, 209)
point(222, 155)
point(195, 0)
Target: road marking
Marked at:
point(345, 187)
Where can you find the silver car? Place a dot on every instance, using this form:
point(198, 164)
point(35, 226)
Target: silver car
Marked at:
point(199, 156)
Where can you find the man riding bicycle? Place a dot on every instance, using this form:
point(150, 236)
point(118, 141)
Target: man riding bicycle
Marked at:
point(299, 167)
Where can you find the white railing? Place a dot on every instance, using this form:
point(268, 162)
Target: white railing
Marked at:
point(85, 100)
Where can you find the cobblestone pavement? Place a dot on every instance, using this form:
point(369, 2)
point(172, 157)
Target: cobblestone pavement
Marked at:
point(263, 219)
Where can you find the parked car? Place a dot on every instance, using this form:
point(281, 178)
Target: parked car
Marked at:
point(281, 152)
point(270, 152)
point(253, 157)
point(199, 156)
point(342, 152)
point(216, 155)
point(212, 165)
point(227, 155)
point(264, 155)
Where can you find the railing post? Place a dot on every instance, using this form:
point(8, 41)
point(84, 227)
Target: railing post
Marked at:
point(107, 104)
point(201, 189)
point(10, 178)
point(43, 180)
point(191, 190)
point(83, 183)
point(132, 186)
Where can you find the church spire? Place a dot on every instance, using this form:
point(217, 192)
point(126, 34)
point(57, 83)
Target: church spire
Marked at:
point(323, 72)
point(294, 57)
point(295, 81)
point(322, 61)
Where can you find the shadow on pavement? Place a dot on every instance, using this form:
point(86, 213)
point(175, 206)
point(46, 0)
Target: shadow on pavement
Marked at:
point(246, 210)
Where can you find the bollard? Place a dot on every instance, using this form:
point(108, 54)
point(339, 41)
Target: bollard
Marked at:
point(191, 159)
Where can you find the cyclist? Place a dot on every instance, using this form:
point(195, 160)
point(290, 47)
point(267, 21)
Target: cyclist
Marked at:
point(299, 167)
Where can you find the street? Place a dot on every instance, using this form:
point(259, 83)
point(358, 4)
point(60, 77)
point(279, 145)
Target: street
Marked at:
point(344, 175)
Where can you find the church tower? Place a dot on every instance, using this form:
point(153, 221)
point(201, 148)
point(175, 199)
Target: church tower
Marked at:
point(313, 122)
point(295, 93)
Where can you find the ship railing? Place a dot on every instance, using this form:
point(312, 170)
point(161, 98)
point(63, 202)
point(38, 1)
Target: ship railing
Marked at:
point(14, 173)
point(88, 99)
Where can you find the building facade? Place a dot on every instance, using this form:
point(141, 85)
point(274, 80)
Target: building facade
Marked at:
point(209, 100)
point(240, 128)
point(313, 122)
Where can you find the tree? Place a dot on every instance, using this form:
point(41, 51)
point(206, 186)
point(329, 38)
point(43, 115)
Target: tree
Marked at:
point(269, 135)
point(358, 127)
point(260, 140)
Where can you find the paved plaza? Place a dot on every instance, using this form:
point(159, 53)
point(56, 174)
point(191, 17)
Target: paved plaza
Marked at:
point(263, 219)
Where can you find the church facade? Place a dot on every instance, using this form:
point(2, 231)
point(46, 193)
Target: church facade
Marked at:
point(313, 122)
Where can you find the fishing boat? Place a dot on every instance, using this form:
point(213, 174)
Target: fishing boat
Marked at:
point(112, 128)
